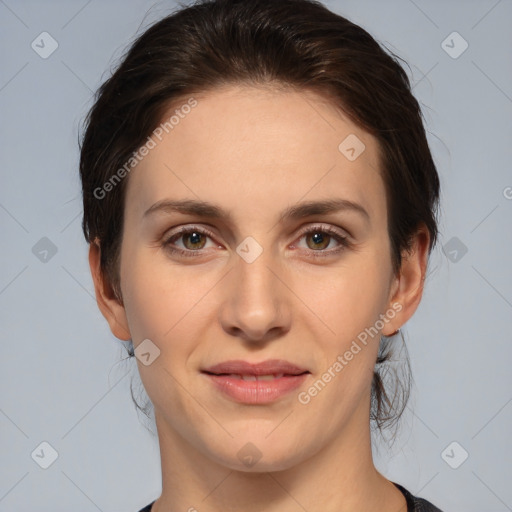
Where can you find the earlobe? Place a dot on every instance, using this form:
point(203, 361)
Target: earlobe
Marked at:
point(408, 286)
point(110, 306)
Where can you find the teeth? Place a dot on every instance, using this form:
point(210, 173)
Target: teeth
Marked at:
point(266, 377)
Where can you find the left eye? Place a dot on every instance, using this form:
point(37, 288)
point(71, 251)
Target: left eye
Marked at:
point(319, 238)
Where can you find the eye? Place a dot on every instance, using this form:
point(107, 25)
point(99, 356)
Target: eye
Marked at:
point(319, 238)
point(193, 239)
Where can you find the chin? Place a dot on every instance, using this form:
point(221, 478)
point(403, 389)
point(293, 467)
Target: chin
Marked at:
point(259, 455)
point(263, 465)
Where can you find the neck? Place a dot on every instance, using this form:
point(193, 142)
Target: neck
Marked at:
point(341, 477)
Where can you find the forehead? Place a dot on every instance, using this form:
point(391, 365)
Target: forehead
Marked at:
point(255, 149)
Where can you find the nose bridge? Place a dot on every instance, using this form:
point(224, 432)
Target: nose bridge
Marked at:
point(256, 303)
point(255, 280)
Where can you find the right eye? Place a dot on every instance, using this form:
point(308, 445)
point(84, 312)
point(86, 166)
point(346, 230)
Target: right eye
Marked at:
point(193, 239)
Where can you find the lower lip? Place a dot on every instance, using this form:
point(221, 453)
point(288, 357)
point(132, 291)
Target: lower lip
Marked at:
point(256, 391)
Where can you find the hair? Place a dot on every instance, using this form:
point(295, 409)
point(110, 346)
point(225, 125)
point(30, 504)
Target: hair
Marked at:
point(296, 44)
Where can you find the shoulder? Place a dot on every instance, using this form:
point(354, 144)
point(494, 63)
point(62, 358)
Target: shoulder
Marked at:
point(415, 504)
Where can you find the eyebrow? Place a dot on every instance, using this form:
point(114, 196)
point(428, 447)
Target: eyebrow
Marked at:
point(297, 211)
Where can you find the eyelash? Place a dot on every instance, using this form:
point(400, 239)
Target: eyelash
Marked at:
point(342, 240)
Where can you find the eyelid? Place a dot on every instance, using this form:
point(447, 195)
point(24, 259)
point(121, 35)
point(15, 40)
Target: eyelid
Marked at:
point(324, 227)
point(187, 229)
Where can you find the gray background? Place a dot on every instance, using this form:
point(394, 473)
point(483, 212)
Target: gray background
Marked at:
point(61, 377)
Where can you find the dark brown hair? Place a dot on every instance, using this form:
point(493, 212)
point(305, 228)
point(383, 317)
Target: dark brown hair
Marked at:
point(298, 44)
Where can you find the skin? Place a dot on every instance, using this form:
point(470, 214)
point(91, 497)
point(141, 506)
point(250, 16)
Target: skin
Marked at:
point(255, 152)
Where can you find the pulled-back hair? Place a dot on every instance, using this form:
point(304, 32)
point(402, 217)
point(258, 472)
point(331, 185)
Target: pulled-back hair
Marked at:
point(297, 44)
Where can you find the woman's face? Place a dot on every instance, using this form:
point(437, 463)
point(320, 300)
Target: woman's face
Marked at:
point(248, 285)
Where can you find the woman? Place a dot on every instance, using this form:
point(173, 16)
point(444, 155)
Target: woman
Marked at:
point(260, 202)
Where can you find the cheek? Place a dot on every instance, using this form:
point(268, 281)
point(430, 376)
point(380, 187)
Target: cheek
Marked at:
point(347, 298)
point(162, 304)
point(162, 299)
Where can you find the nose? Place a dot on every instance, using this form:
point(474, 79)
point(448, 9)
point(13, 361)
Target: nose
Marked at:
point(256, 308)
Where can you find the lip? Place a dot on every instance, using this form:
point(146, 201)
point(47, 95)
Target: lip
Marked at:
point(270, 366)
point(226, 377)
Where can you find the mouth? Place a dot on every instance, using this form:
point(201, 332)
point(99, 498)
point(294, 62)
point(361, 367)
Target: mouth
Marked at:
point(250, 377)
point(268, 368)
point(256, 383)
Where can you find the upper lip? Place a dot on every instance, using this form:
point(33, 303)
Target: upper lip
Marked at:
point(268, 367)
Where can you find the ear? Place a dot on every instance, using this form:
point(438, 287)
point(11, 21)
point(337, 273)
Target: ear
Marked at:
point(407, 288)
point(110, 306)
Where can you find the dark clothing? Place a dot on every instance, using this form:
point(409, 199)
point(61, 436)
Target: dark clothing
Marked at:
point(414, 504)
